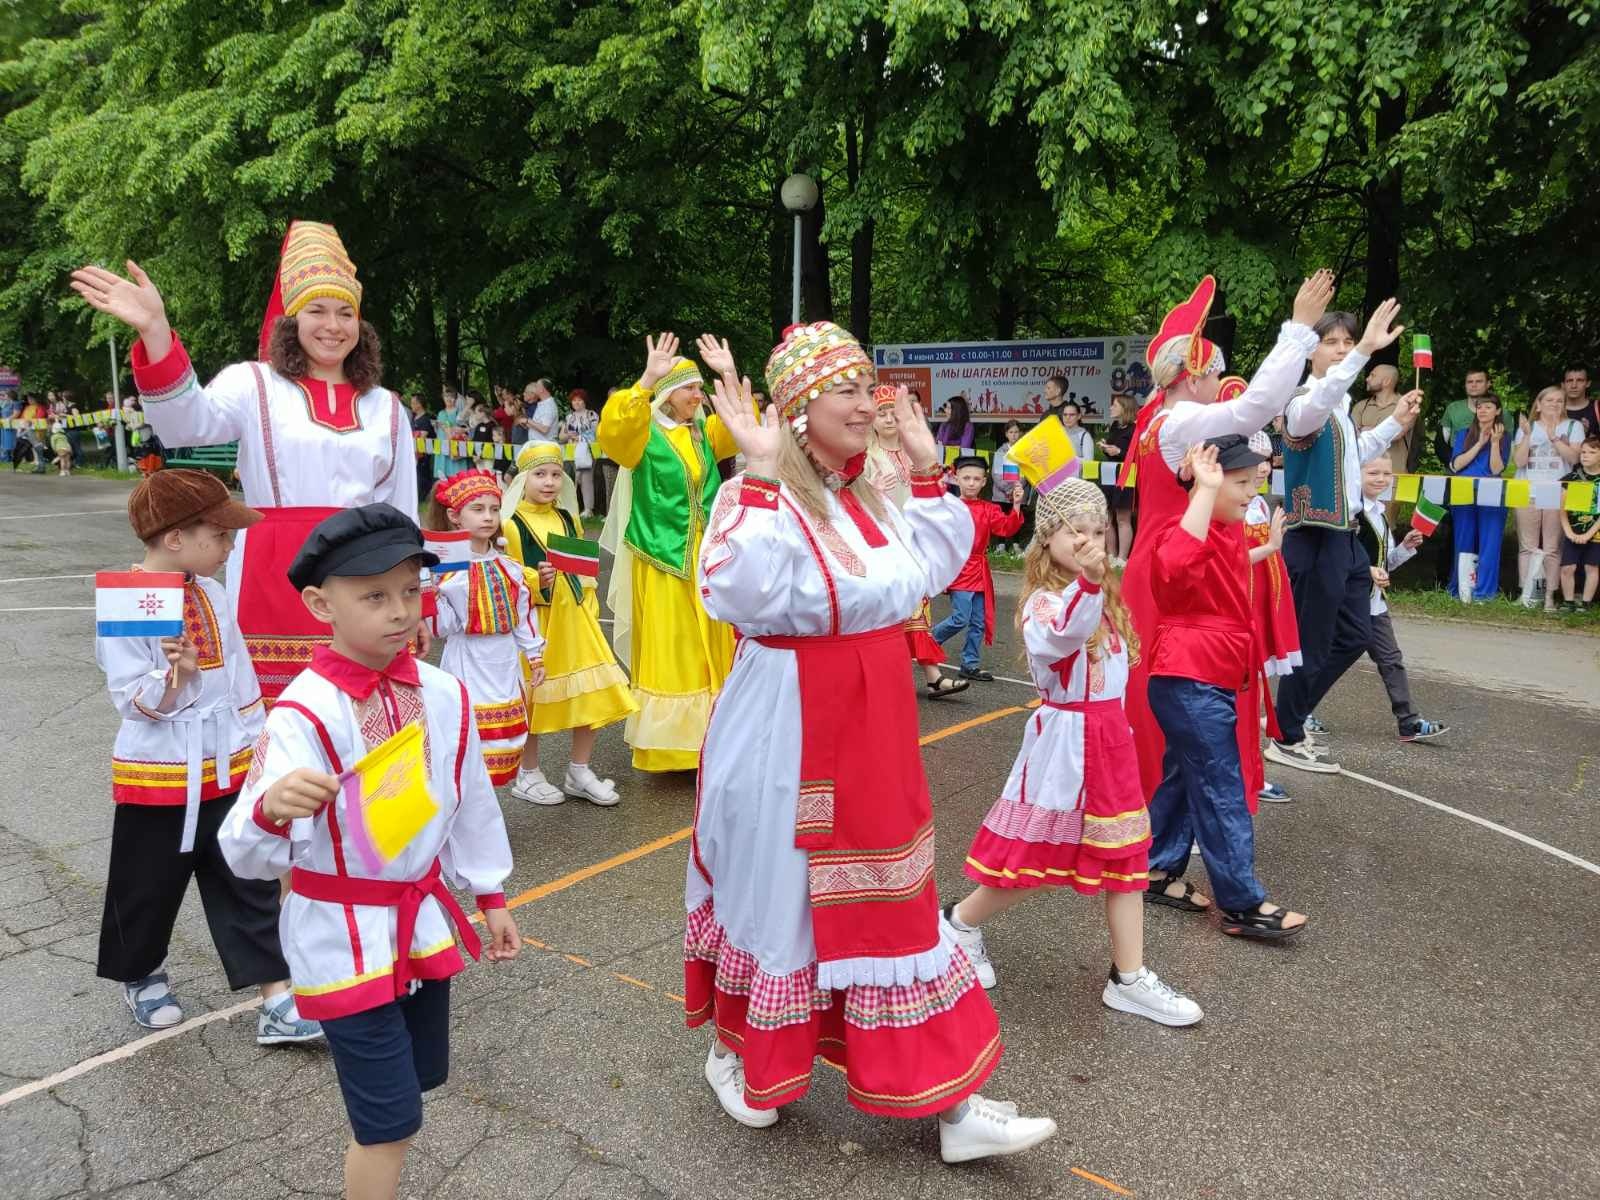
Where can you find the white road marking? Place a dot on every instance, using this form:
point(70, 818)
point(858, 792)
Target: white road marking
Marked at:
point(53, 608)
point(1592, 868)
point(91, 512)
point(44, 578)
point(125, 1051)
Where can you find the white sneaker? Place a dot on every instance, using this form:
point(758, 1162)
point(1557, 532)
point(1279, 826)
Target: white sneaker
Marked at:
point(583, 783)
point(988, 1129)
point(971, 943)
point(1148, 996)
point(725, 1074)
point(533, 787)
point(1302, 756)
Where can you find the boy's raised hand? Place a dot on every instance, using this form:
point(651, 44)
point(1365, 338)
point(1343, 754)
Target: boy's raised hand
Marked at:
point(1206, 470)
point(505, 943)
point(300, 793)
point(1381, 330)
point(1312, 300)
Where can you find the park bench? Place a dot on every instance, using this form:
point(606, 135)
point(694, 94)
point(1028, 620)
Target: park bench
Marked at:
point(218, 459)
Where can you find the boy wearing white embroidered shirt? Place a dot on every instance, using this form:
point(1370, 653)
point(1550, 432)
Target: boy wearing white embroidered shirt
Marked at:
point(191, 709)
point(372, 953)
point(1383, 648)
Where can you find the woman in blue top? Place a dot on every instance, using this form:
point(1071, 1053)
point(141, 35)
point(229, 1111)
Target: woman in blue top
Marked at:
point(1481, 451)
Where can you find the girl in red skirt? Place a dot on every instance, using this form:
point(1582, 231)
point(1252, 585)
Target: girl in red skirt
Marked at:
point(1072, 813)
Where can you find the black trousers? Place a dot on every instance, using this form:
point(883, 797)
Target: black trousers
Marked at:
point(145, 888)
point(1330, 576)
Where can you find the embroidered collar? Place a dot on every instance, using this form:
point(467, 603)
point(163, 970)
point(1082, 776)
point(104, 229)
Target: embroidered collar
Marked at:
point(331, 405)
point(357, 681)
point(838, 480)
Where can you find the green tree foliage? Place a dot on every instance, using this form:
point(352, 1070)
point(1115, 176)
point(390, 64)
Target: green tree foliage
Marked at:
point(531, 186)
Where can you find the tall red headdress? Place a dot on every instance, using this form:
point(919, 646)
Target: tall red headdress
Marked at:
point(1178, 349)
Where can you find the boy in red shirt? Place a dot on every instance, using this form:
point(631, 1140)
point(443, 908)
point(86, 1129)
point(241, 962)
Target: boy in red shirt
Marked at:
point(1200, 659)
point(972, 594)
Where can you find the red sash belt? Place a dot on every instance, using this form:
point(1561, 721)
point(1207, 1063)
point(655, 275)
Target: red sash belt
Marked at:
point(1081, 706)
point(787, 642)
point(406, 896)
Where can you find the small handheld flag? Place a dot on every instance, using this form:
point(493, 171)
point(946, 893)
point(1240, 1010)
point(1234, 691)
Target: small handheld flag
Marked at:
point(1009, 473)
point(385, 799)
point(1426, 516)
point(453, 546)
point(138, 604)
point(574, 555)
point(1045, 455)
point(1422, 352)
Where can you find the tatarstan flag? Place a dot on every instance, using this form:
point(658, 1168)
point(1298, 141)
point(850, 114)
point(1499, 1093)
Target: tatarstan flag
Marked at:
point(574, 555)
point(1422, 351)
point(1425, 517)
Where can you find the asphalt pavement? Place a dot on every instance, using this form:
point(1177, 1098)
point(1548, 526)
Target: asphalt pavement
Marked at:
point(1432, 1034)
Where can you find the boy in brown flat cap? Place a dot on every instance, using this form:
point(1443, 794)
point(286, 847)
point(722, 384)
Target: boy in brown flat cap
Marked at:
point(191, 711)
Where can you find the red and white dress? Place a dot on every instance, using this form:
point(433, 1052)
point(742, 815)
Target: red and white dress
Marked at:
point(813, 922)
point(306, 449)
point(356, 940)
point(487, 614)
point(1071, 812)
point(1274, 603)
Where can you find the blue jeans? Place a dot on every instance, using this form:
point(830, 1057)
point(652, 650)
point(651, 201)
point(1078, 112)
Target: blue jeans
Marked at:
point(1201, 796)
point(966, 612)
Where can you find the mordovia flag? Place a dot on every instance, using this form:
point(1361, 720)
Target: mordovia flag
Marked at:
point(453, 546)
point(573, 555)
point(1425, 517)
point(1421, 351)
point(138, 604)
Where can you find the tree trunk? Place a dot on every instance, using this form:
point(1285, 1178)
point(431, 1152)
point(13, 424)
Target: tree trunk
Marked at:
point(426, 340)
point(1385, 219)
point(1007, 310)
point(856, 151)
point(816, 284)
point(452, 347)
point(780, 245)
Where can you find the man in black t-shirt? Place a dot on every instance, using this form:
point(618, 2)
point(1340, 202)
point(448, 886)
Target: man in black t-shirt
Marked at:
point(1581, 407)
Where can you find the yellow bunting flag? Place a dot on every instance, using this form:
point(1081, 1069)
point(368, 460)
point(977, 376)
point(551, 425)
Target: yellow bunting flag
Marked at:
point(385, 798)
point(1580, 497)
point(1518, 493)
point(1406, 488)
point(1461, 489)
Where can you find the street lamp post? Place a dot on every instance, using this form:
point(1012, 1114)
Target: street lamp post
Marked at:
point(799, 195)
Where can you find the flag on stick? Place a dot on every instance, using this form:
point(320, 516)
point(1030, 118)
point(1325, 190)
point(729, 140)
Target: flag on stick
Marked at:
point(453, 546)
point(1426, 516)
point(575, 556)
point(386, 799)
point(138, 604)
point(1422, 352)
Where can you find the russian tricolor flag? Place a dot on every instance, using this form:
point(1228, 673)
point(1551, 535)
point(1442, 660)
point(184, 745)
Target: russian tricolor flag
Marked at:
point(138, 604)
point(453, 546)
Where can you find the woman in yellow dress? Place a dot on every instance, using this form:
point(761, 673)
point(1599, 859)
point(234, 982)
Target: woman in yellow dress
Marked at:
point(677, 655)
point(583, 686)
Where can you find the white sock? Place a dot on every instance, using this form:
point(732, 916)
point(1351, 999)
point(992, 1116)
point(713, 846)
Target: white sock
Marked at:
point(959, 923)
point(1127, 977)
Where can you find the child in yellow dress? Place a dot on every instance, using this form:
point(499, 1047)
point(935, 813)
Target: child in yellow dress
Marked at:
point(583, 686)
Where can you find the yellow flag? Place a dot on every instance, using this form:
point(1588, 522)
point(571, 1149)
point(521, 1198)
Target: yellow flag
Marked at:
point(1580, 497)
point(386, 798)
point(1406, 488)
point(1518, 493)
point(1461, 489)
point(1042, 451)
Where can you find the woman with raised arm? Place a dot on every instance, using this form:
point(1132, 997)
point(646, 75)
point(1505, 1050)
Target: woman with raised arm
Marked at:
point(677, 656)
point(813, 926)
point(316, 431)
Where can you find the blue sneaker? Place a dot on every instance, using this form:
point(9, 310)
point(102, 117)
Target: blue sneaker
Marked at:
point(1312, 725)
point(1273, 794)
point(1420, 730)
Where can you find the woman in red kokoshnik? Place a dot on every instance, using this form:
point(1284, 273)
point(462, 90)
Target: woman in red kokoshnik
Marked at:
point(315, 430)
point(813, 925)
point(1182, 412)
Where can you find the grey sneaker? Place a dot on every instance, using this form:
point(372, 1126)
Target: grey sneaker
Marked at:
point(1302, 756)
point(1421, 730)
point(280, 1022)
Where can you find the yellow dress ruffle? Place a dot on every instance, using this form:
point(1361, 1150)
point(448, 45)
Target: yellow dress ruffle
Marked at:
point(583, 684)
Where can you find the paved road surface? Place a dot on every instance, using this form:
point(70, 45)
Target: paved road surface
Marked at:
point(1432, 1035)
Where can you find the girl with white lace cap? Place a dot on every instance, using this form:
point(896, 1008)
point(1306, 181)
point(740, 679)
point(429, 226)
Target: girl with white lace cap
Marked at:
point(1072, 813)
point(813, 923)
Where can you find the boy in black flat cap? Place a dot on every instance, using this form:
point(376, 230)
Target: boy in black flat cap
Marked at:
point(1201, 657)
point(371, 951)
point(972, 593)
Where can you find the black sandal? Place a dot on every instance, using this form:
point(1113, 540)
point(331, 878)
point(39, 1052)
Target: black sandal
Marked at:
point(1257, 924)
point(944, 686)
point(1155, 892)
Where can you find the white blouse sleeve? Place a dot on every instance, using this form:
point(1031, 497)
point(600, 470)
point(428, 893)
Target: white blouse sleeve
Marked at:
point(1058, 623)
point(450, 604)
point(256, 847)
point(476, 856)
point(1269, 390)
point(185, 414)
point(1309, 411)
point(941, 535)
point(530, 641)
point(752, 553)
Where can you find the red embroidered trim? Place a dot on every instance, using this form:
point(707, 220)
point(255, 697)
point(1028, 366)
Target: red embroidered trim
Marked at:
point(822, 565)
point(266, 434)
point(758, 493)
point(461, 743)
point(259, 816)
point(338, 421)
point(320, 729)
point(395, 418)
point(491, 900)
point(865, 525)
point(834, 541)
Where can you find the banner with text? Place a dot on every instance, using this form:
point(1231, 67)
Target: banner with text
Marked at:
point(1006, 379)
